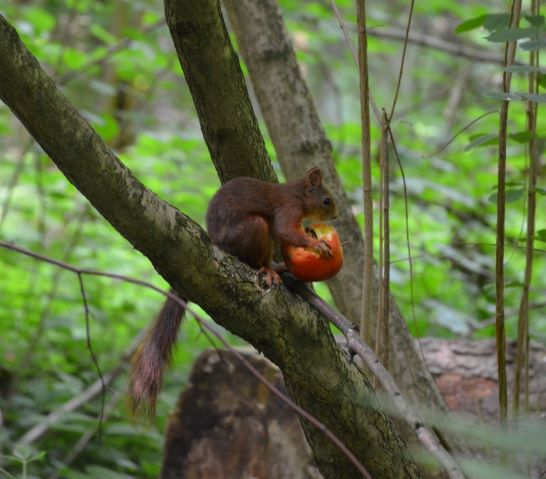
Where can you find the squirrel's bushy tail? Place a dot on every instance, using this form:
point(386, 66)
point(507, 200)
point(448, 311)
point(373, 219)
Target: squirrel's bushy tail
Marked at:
point(153, 357)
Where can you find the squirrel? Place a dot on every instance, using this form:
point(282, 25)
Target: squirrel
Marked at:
point(243, 218)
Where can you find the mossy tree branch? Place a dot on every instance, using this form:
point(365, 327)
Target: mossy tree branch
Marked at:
point(213, 74)
point(285, 328)
point(301, 142)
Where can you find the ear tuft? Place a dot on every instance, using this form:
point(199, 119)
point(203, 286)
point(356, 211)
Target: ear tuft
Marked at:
point(314, 176)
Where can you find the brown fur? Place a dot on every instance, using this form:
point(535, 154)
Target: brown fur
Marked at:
point(153, 357)
point(246, 214)
point(243, 219)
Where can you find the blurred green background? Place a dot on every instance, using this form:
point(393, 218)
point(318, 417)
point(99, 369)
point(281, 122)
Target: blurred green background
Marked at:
point(116, 63)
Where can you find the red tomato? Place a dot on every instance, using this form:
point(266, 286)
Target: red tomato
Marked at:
point(306, 264)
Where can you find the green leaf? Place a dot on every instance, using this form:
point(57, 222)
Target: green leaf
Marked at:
point(471, 24)
point(541, 235)
point(74, 59)
point(536, 98)
point(496, 21)
point(124, 429)
point(150, 17)
point(107, 127)
point(511, 195)
point(542, 79)
point(498, 95)
point(514, 194)
point(42, 21)
point(524, 69)
point(38, 456)
point(102, 34)
point(482, 140)
point(540, 191)
point(516, 96)
point(522, 136)
point(510, 34)
point(103, 473)
point(535, 20)
point(513, 284)
point(533, 45)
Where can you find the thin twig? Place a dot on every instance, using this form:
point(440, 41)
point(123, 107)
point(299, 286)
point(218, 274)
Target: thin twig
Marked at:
point(382, 325)
point(357, 346)
point(385, 290)
point(408, 243)
point(123, 43)
point(343, 28)
point(458, 133)
point(367, 199)
point(424, 40)
point(522, 345)
point(85, 438)
point(405, 47)
point(349, 42)
point(55, 281)
point(380, 317)
point(94, 358)
point(510, 53)
point(39, 430)
point(13, 180)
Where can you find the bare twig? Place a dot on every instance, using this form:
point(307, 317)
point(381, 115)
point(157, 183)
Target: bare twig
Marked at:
point(522, 347)
point(399, 81)
point(357, 346)
point(367, 275)
point(37, 431)
point(14, 179)
point(343, 28)
point(408, 242)
point(456, 49)
point(485, 323)
point(510, 53)
point(122, 44)
point(383, 340)
point(55, 280)
point(455, 97)
point(86, 437)
point(460, 132)
point(380, 317)
point(94, 358)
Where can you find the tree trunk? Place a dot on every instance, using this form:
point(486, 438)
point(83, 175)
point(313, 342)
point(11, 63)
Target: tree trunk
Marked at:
point(300, 142)
point(227, 425)
point(318, 374)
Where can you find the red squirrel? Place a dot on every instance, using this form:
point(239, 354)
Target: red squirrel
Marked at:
point(243, 218)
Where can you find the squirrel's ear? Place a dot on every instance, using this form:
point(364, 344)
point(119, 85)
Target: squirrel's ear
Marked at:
point(314, 176)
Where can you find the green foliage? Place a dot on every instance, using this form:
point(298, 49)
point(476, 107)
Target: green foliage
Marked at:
point(119, 68)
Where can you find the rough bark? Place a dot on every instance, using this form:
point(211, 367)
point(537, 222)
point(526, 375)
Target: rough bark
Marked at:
point(283, 327)
point(466, 374)
point(228, 425)
point(300, 142)
point(213, 74)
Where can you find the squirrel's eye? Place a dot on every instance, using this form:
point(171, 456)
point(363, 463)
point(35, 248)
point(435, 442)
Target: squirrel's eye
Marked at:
point(326, 201)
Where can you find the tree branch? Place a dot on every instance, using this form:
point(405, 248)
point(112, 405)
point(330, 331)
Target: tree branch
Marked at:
point(37, 431)
point(300, 142)
point(357, 346)
point(319, 376)
point(473, 53)
point(212, 71)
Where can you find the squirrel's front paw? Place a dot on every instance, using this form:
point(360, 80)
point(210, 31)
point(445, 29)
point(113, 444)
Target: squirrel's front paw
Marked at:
point(272, 278)
point(324, 249)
